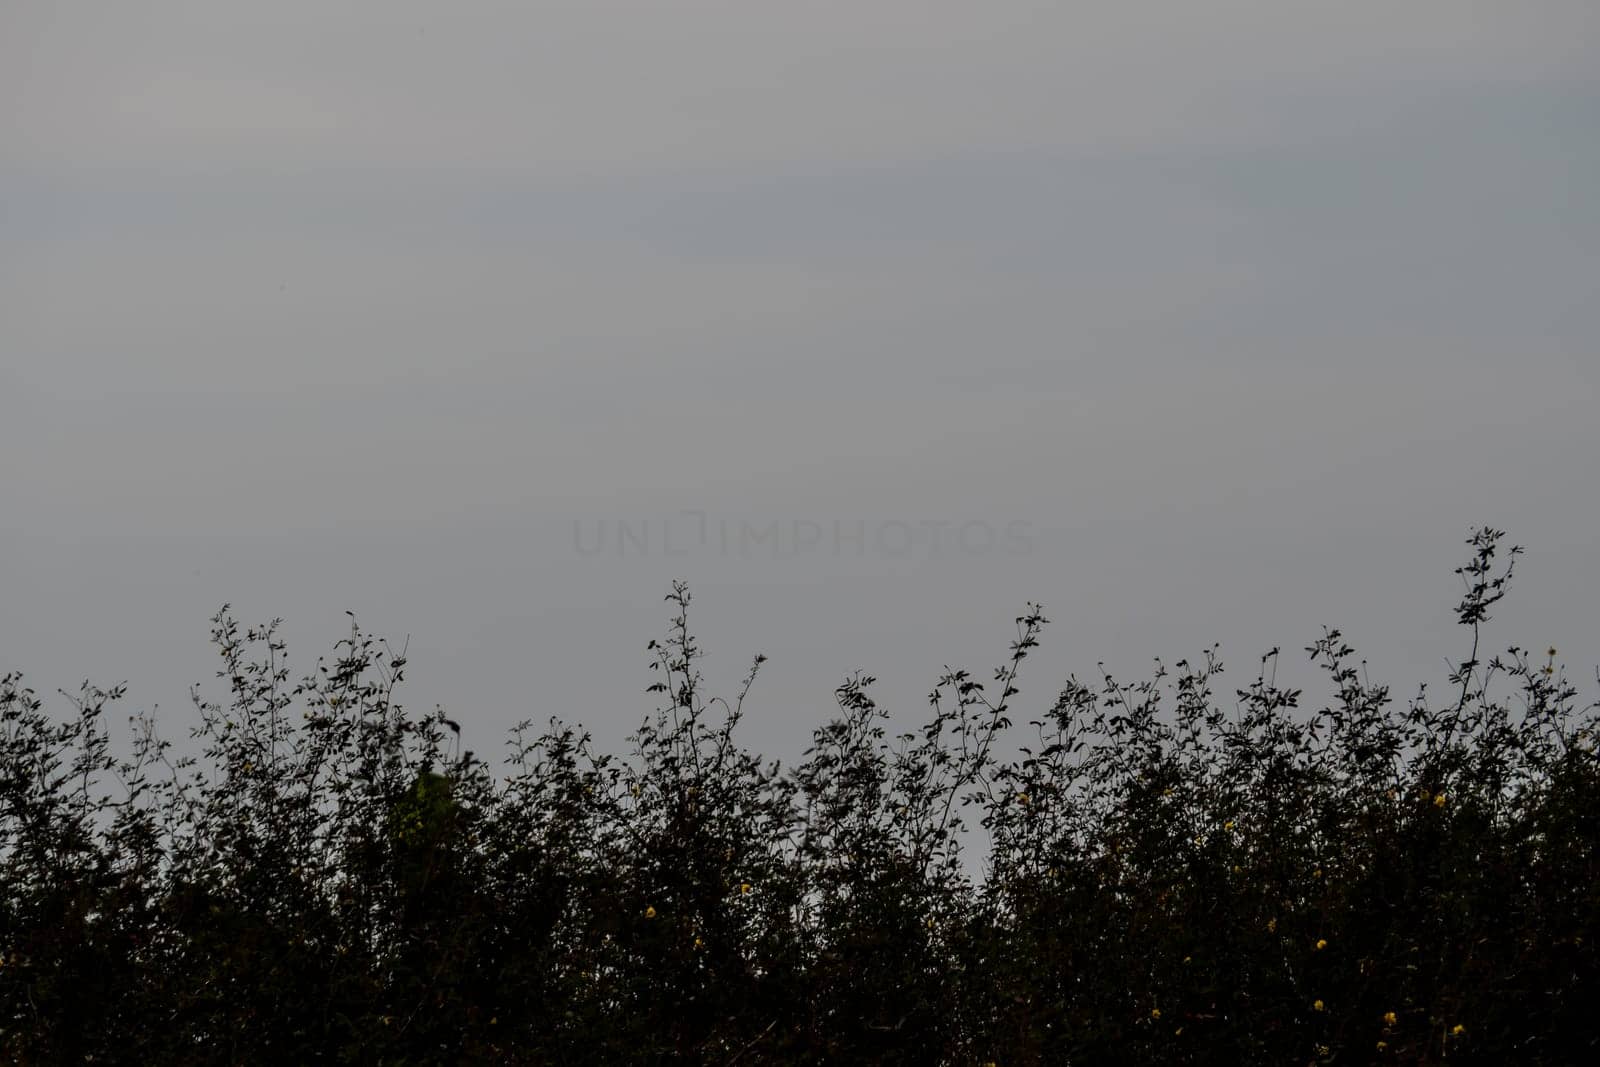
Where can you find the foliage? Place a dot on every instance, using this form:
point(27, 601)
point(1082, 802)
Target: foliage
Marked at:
point(1171, 875)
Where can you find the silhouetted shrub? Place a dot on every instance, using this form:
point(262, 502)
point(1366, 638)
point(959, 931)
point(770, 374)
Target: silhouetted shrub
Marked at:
point(1172, 874)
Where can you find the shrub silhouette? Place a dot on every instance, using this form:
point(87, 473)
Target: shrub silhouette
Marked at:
point(1173, 873)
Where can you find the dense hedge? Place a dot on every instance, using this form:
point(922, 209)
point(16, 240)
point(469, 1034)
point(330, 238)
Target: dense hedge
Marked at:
point(1172, 872)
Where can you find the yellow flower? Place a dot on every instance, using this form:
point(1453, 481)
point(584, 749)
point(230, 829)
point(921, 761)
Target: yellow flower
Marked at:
point(1316, 1005)
point(1382, 1045)
point(1155, 1013)
point(698, 943)
point(494, 1020)
point(1186, 959)
point(1022, 798)
point(1322, 943)
point(1390, 1018)
point(1317, 873)
point(744, 887)
point(1439, 801)
point(1228, 825)
point(1457, 1030)
point(1322, 1050)
point(1272, 926)
point(650, 912)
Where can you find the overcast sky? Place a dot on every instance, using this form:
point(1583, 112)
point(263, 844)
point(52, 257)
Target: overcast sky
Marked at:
point(1195, 322)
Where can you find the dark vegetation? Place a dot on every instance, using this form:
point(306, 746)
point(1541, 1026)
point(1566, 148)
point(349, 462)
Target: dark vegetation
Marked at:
point(1177, 872)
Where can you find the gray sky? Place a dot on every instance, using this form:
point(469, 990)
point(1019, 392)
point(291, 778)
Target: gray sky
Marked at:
point(1195, 322)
